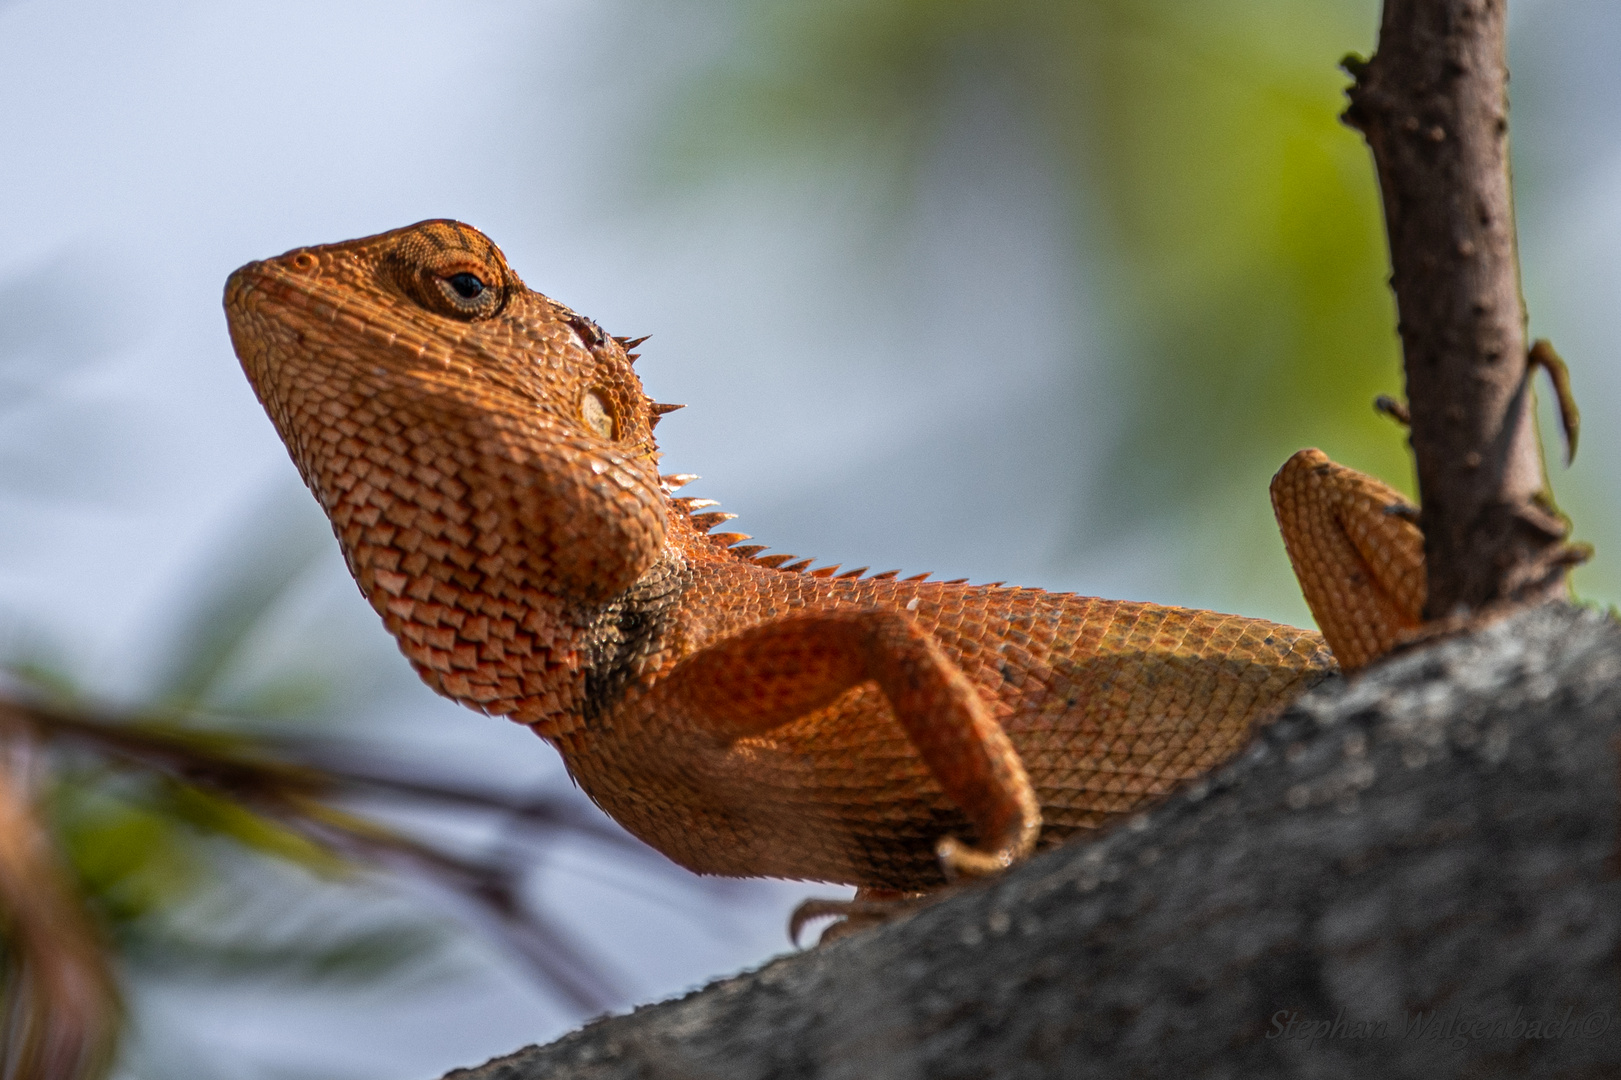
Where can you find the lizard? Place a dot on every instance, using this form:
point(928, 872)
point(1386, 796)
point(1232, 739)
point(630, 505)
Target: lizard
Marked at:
point(487, 461)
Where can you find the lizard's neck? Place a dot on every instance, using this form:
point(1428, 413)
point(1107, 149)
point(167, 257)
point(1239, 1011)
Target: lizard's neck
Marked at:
point(500, 562)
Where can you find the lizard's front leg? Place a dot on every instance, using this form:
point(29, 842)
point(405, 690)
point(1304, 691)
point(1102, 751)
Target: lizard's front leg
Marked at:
point(768, 675)
point(1357, 552)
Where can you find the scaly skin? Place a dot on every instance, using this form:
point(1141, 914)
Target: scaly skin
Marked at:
point(487, 459)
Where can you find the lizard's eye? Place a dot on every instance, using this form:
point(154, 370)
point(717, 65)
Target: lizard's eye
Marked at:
point(450, 271)
point(464, 294)
point(456, 291)
point(594, 411)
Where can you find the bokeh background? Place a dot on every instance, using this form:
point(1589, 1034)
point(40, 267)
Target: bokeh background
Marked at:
point(1024, 290)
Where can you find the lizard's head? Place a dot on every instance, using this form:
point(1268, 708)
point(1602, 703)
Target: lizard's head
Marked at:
point(426, 394)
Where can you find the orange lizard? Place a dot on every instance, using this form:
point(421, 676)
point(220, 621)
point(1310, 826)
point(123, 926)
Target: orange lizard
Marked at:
point(486, 457)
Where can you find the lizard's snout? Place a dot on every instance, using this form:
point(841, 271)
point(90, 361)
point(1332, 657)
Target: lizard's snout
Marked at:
point(240, 284)
point(248, 277)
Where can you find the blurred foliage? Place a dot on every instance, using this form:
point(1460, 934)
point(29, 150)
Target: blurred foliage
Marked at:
point(221, 830)
point(1229, 222)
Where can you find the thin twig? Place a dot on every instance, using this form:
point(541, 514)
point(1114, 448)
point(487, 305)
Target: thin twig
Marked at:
point(304, 796)
point(1433, 105)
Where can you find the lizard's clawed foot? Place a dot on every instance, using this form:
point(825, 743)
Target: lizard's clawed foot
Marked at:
point(959, 860)
point(1012, 839)
point(871, 907)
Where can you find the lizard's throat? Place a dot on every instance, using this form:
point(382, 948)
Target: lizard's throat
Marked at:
point(488, 542)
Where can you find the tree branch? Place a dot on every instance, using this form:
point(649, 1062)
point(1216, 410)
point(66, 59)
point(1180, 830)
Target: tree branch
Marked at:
point(1433, 105)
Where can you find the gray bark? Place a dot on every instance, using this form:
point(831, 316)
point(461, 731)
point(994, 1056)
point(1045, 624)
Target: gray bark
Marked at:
point(1423, 855)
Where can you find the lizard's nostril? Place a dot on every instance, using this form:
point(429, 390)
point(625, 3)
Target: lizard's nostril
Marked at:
point(305, 263)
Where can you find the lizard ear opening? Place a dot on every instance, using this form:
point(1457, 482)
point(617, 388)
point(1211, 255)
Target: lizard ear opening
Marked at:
point(594, 410)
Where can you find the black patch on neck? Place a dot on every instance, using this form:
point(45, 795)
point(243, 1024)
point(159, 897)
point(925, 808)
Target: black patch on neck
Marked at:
point(628, 629)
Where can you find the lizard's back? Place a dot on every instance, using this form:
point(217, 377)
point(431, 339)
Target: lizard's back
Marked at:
point(1109, 704)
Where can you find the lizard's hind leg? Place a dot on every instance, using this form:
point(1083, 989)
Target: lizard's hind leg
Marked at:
point(1357, 552)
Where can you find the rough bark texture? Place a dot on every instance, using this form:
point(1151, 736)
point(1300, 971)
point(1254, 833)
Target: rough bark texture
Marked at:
point(1410, 873)
point(1433, 104)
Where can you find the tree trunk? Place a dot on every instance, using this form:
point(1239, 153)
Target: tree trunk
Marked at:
point(1433, 104)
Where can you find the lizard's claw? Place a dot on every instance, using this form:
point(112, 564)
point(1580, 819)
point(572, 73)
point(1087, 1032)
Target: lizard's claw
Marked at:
point(871, 907)
point(1570, 418)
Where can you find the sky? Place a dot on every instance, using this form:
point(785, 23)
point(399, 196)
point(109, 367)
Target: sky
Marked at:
point(849, 398)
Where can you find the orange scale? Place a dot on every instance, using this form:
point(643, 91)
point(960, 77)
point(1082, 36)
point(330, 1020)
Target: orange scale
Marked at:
point(436, 660)
point(463, 560)
point(404, 518)
point(378, 456)
point(485, 693)
point(1183, 765)
point(445, 592)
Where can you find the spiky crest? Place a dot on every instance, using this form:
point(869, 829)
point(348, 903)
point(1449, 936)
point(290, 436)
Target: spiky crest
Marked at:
point(705, 522)
point(659, 409)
